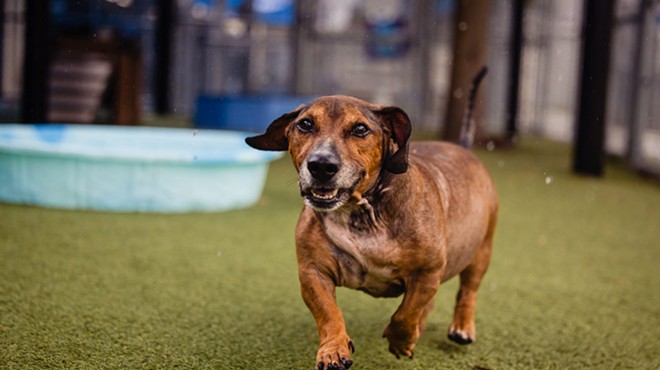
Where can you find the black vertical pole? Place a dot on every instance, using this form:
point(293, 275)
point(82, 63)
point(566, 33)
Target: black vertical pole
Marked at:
point(163, 55)
point(34, 98)
point(514, 69)
point(2, 41)
point(589, 145)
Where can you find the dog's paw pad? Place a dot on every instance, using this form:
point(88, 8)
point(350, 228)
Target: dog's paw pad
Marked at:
point(460, 337)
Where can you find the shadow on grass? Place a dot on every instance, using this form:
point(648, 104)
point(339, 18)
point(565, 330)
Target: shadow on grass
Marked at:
point(450, 348)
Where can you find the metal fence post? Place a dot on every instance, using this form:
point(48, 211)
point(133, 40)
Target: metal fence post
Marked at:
point(589, 143)
point(34, 98)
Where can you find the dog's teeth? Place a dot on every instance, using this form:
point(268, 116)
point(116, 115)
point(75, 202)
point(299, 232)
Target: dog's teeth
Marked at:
point(325, 195)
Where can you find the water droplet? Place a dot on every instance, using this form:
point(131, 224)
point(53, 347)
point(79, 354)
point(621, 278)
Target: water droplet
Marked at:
point(548, 180)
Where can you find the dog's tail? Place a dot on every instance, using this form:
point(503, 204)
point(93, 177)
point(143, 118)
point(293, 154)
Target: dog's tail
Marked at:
point(468, 127)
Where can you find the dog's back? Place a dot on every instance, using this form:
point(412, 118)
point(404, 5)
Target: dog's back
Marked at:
point(469, 198)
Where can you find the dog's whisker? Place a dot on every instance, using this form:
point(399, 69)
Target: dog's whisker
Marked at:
point(293, 181)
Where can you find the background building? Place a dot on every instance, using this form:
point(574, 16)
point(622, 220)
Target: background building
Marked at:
point(390, 52)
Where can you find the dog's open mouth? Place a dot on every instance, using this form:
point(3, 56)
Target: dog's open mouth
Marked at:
point(326, 199)
point(328, 196)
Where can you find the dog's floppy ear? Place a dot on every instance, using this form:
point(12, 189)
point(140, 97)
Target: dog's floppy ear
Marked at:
point(275, 136)
point(398, 123)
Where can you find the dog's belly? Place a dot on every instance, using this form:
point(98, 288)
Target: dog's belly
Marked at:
point(383, 291)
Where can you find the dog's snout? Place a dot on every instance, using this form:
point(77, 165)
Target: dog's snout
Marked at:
point(323, 168)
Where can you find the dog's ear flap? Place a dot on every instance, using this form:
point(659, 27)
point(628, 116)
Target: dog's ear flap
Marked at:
point(398, 123)
point(274, 139)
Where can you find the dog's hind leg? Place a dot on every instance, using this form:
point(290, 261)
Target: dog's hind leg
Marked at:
point(462, 329)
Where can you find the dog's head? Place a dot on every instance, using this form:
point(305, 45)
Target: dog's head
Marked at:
point(339, 145)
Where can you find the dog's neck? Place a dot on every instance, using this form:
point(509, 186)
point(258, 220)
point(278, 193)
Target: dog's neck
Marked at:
point(369, 212)
point(356, 217)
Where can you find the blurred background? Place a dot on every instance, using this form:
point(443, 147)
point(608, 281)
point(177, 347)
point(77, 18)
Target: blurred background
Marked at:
point(128, 262)
point(560, 69)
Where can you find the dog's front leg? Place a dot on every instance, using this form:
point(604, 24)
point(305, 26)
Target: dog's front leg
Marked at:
point(404, 328)
point(318, 292)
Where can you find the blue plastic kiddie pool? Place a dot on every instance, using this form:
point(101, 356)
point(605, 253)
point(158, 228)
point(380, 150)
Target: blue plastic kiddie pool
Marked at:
point(129, 169)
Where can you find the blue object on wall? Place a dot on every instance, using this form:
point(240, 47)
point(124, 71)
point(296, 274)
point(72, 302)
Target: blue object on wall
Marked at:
point(127, 20)
point(271, 12)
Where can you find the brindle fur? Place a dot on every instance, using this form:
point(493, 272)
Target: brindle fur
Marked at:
point(407, 218)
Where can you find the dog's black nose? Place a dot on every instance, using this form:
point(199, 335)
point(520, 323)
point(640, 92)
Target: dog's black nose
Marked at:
point(323, 168)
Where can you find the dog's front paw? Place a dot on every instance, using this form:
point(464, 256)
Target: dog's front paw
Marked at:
point(462, 334)
point(402, 341)
point(335, 355)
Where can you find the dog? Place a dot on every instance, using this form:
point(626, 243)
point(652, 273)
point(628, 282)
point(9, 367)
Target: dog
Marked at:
point(384, 216)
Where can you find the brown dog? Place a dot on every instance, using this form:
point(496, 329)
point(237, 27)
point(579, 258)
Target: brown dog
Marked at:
point(383, 217)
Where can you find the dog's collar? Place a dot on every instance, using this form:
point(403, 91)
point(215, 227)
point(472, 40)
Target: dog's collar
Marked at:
point(374, 191)
point(373, 194)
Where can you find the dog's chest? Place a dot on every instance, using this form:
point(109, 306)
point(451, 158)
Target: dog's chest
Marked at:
point(364, 255)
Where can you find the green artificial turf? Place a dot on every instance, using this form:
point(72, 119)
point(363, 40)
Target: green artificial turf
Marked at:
point(574, 282)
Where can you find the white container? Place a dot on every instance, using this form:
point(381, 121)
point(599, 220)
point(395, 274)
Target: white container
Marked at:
point(129, 169)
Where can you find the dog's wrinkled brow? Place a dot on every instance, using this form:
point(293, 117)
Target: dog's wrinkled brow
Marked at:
point(334, 110)
point(367, 113)
point(335, 107)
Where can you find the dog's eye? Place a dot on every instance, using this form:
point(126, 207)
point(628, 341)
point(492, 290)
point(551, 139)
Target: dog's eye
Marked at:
point(360, 130)
point(305, 125)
